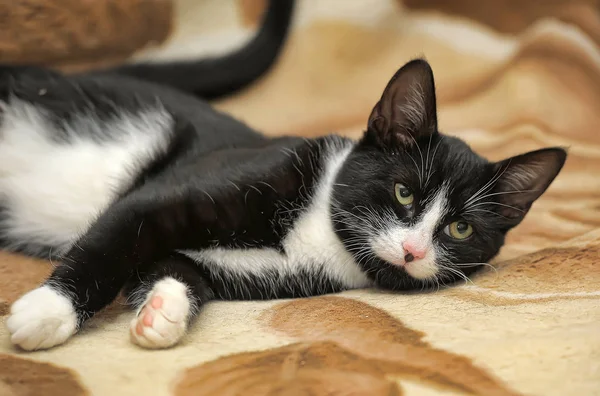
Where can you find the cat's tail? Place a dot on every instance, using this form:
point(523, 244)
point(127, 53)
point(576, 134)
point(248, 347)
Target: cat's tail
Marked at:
point(216, 77)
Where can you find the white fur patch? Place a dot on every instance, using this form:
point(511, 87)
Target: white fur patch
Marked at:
point(311, 245)
point(388, 244)
point(41, 319)
point(53, 190)
point(169, 318)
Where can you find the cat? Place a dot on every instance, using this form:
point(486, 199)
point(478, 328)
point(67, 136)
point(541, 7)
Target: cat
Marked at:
point(136, 187)
point(214, 78)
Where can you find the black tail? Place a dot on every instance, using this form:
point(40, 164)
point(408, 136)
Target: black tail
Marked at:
point(214, 78)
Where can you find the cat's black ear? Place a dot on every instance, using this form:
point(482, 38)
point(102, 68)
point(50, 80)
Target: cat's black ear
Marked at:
point(523, 178)
point(407, 108)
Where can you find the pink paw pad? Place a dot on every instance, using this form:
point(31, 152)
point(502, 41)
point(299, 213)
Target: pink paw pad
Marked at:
point(147, 319)
point(156, 302)
point(162, 321)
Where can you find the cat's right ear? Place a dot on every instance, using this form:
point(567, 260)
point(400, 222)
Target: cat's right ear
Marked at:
point(407, 108)
point(524, 178)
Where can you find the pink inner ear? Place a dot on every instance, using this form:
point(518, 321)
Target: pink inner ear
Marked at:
point(524, 179)
point(407, 108)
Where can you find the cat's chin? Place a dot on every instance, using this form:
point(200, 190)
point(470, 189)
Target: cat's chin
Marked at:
point(388, 276)
point(403, 283)
point(420, 270)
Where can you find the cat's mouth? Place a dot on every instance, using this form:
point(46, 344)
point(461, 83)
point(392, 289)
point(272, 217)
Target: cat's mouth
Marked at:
point(418, 268)
point(398, 261)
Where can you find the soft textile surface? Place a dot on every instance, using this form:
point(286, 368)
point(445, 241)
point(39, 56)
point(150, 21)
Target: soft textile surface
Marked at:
point(512, 76)
point(75, 34)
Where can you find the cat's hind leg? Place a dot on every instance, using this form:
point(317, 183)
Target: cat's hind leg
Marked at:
point(68, 150)
point(167, 298)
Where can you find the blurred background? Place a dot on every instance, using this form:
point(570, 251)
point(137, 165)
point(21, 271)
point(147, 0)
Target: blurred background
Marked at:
point(512, 75)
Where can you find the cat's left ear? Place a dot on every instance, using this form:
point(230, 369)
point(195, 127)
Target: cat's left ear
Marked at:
point(407, 108)
point(524, 178)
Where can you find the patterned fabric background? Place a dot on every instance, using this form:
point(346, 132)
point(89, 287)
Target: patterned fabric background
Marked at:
point(511, 75)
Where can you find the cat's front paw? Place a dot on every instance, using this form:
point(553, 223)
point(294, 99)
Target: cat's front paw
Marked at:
point(41, 319)
point(162, 321)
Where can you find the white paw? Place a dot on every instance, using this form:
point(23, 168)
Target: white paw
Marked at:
point(41, 319)
point(162, 320)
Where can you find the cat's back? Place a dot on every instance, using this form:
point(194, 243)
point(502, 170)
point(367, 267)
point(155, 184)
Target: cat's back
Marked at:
point(213, 128)
point(102, 96)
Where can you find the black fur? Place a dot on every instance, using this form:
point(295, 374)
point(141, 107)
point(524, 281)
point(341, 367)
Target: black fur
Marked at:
point(222, 184)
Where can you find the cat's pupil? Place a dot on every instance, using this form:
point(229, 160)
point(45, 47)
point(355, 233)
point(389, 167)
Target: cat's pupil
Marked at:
point(462, 227)
point(404, 192)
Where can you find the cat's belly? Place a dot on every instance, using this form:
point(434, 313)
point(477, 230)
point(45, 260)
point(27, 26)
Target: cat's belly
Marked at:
point(310, 252)
point(267, 273)
point(53, 184)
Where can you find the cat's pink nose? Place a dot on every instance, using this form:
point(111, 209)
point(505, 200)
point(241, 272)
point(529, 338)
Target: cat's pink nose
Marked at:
point(412, 252)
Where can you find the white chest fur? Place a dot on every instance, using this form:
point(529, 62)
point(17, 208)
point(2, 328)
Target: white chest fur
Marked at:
point(311, 245)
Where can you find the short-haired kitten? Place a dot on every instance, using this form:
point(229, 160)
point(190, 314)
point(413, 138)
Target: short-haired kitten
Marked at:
point(139, 188)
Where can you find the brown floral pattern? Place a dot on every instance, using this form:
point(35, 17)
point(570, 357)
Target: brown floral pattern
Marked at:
point(349, 348)
point(75, 34)
point(24, 377)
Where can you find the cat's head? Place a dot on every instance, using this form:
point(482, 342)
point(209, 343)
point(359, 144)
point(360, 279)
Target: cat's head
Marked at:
point(416, 207)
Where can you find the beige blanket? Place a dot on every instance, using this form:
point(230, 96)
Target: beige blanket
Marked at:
point(512, 76)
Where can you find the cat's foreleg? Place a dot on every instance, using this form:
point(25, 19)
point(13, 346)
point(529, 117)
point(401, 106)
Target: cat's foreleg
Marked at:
point(167, 297)
point(144, 227)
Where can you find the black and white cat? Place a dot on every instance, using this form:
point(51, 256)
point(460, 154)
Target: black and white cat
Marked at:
point(138, 187)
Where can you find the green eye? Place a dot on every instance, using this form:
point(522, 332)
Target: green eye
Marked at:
point(459, 230)
point(403, 194)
